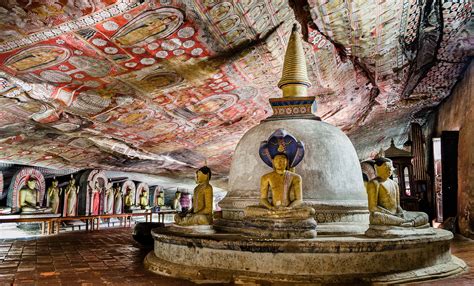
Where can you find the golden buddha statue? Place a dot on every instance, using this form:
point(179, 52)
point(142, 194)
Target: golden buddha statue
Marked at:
point(29, 202)
point(384, 200)
point(202, 210)
point(53, 196)
point(129, 201)
point(144, 200)
point(282, 152)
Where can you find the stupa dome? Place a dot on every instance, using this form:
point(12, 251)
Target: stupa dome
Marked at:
point(331, 173)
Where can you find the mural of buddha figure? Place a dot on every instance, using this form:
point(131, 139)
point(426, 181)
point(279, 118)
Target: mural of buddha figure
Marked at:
point(35, 59)
point(149, 26)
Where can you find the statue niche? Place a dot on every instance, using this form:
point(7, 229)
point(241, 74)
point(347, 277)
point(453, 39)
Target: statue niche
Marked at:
point(281, 213)
point(27, 192)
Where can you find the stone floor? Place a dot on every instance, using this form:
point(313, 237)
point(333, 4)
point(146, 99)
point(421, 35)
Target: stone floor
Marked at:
point(112, 257)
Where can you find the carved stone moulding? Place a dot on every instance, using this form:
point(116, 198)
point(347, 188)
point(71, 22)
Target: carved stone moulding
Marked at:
point(325, 259)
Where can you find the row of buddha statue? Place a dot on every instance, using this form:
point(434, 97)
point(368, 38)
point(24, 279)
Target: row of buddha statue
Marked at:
point(108, 200)
point(281, 207)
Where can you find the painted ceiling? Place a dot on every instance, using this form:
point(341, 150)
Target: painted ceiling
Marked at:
point(160, 87)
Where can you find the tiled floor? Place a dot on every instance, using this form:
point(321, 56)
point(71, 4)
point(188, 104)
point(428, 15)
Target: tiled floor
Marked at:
point(112, 257)
point(108, 256)
point(463, 248)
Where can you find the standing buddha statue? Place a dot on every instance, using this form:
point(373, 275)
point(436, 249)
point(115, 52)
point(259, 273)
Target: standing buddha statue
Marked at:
point(53, 196)
point(70, 202)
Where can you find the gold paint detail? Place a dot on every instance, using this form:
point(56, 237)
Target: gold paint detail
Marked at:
point(294, 81)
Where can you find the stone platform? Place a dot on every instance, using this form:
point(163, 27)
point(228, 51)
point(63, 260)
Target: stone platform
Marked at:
point(224, 258)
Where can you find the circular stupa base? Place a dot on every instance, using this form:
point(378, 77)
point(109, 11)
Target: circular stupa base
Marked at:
point(227, 258)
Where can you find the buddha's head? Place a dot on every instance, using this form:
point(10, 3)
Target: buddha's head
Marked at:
point(177, 195)
point(55, 183)
point(203, 175)
point(383, 168)
point(31, 184)
point(280, 162)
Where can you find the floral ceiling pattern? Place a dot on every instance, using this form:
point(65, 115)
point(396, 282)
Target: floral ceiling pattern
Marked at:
point(163, 86)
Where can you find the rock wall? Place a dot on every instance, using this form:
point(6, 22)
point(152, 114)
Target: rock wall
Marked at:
point(457, 114)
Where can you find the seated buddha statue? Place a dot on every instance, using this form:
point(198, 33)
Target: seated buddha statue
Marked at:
point(129, 201)
point(144, 200)
point(202, 210)
point(384, 200)
point(284, 185)
point(28, 199)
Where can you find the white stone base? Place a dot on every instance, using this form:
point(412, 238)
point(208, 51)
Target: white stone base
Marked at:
point(385, 231)
point(226, 258)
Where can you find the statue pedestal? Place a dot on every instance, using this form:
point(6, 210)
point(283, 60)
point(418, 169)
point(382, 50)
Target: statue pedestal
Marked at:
point(280, 228)
point(193, 229)
point(5, 210)
point(231, 257)
point(279, 223)
point(387, 231)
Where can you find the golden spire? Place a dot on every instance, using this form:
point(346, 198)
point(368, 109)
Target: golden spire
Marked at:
point(294, 81)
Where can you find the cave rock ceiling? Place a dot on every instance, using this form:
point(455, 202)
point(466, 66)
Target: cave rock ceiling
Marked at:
point(161, 86)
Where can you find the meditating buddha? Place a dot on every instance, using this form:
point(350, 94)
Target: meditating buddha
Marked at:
point(281, 192)
point(29, 202)
point(144, 200)
point(129, 201)
point(202, 210)
point(384, 200)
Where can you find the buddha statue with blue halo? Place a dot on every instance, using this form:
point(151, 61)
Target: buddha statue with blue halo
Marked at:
point(282, 152)
point(281, 213)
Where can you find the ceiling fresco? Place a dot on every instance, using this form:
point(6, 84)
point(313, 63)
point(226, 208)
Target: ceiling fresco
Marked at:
point(162, 87)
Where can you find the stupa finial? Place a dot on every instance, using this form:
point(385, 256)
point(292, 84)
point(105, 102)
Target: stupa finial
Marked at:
point(294, 81)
